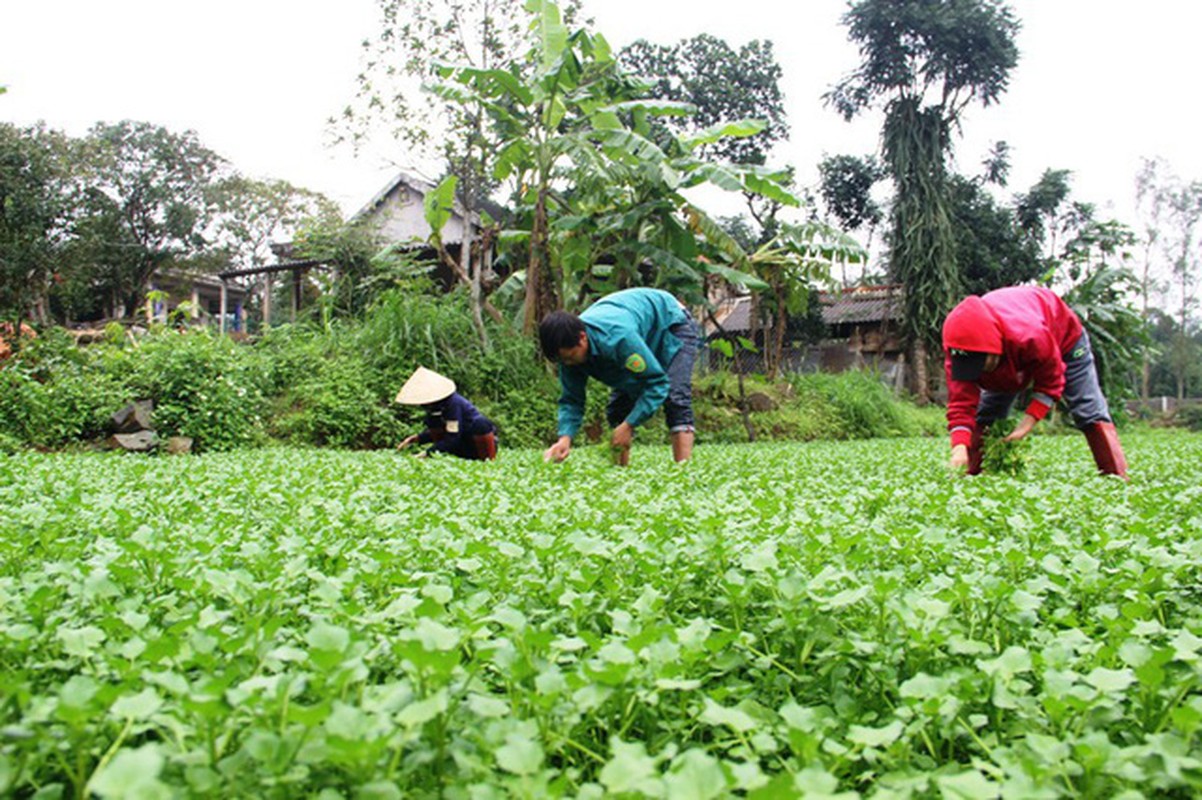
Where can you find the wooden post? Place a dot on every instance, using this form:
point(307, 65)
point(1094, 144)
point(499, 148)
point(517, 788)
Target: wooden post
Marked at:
point(223, 305)
point(267, 301)
point(296, 292)
point(195, 303)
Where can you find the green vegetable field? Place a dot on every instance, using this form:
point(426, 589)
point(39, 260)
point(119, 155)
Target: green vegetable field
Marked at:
point(780, 620)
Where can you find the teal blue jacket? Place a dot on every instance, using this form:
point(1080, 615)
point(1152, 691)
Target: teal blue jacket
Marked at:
point(629, 349)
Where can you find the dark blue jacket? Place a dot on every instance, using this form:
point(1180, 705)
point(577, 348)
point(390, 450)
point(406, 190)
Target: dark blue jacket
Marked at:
point(451, 424)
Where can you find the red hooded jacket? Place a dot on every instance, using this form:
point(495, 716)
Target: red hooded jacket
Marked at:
point(1031, 328)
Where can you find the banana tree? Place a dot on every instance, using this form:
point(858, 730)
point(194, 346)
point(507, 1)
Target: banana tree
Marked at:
point(599, 203)
point(438, 208)
point(787, 268)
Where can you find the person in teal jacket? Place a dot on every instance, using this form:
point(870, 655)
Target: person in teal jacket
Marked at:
point(639, 342)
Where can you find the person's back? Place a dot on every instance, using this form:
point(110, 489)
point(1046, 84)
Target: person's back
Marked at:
point(1025, 310)
point(648, 314)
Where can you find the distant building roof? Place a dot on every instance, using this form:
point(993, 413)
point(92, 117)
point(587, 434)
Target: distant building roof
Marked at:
point(733, 314)
point(412, 180)
point(851, 306)
point(862, 304)
point(422, 186)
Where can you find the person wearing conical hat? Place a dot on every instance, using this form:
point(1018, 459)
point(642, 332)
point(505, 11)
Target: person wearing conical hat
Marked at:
point(453, 425)
point(1011, 339)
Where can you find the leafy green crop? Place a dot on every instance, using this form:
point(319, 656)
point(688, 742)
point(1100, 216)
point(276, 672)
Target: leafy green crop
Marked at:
point(765, 621)
point(1000, 457)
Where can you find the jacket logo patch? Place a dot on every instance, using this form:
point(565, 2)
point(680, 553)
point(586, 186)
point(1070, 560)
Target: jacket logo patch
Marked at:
point(452, 426)
point(635, 363)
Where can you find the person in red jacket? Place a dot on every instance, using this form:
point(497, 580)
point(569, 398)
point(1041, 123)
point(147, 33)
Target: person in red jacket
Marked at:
point(1010, 340)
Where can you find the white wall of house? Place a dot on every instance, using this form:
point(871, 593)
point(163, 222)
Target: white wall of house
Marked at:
point(400, 217)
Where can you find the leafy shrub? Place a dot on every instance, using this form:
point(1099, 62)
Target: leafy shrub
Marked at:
point(336, 405)
point(1189, 417)
point(404, 330)
point(849, 405)
point(863, 406)
point(203, 385)
point(509, 382)
point(286, 354)
point(52, 393)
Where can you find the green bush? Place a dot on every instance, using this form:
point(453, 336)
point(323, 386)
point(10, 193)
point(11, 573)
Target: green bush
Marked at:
point(285, 355)
point(336, 405)
point(509, 382)
point(404, 330)
point(52, 393)
point(333, 384)
point(204, 386)
point(1189, 417)
point(863, 407)
point(849, 405)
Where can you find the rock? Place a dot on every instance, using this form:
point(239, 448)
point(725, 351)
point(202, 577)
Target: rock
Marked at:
point(138, 442)
point(179, 444)
point(758, 401)
point(136, 416)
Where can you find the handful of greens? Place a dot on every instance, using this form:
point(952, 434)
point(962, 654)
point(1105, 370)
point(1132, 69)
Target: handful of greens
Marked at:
point(1001, 457)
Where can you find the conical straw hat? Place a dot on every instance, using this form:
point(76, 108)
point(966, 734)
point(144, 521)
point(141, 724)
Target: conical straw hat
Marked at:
point(425, 386)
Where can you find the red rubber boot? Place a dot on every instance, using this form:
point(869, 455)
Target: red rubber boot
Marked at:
point(1107, 452)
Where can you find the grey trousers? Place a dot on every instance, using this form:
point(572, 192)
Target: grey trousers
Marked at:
point(1082, 392)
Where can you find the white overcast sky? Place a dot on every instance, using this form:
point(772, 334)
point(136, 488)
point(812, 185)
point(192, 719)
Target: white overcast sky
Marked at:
point(1100, 83)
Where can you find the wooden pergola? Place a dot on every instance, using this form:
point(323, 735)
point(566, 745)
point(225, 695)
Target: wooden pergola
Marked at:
point(297, 268)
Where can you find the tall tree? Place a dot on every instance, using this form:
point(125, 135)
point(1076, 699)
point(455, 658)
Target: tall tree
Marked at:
point(250, 214)
point(845, 186)
point(598, 201)
point(1171, 212)
point(415, 38)
point(1041, 210)
point(147, 202)
point(1150, 206)
point(33, 207)
point(1181, 243)
point(993, 248)
point(721, 84)
point(926, 60)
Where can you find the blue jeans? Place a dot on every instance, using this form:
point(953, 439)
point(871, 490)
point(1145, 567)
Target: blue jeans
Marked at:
point(678, 408)
point(1082, 392)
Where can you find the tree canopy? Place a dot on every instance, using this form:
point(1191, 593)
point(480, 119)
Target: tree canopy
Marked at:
point(925, 61)
point(721, 84)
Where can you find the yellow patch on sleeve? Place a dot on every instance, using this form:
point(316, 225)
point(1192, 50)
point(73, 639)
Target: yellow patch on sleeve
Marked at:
point(635, 363)
point(453, 426)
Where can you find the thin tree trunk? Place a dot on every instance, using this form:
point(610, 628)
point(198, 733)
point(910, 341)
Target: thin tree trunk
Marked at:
point(781, 324)
point(1145, 370)
point(472, 265)
point(541, 292)
point(922, 388)
point(744, 408)
point(534, 269)
point(462, 277)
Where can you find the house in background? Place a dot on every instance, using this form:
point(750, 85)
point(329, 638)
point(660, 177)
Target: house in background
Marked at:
point(397, 213)
point(863, 330)
point(171, 287)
